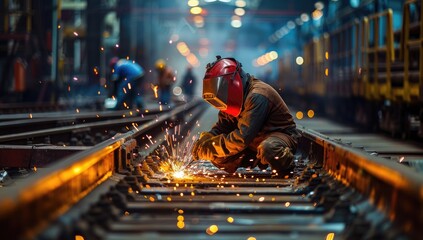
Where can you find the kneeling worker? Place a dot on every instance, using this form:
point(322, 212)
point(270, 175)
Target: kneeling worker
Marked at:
point(254, 127)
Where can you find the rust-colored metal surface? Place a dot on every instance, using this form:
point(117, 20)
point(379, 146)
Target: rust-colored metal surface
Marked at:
point(336, 190)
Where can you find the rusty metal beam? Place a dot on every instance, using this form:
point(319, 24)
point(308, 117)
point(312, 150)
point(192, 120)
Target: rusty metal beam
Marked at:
point(41, 198)
point(393, 188)
point(30, 156)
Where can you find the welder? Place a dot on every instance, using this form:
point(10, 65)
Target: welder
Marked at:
point(165, 80)
point(127, 75)
point(254, 126)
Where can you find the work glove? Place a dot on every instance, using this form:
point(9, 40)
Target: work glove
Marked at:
point(207, 150)
point(203, 137)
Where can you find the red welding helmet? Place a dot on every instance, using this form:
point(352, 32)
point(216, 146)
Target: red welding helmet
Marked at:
point(222, 85)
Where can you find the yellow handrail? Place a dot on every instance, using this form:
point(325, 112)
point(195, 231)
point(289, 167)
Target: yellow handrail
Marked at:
point(411, 91)
point(375, 88)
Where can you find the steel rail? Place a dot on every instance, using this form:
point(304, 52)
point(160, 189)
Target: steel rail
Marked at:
point(393, 188)
point(35, 201)
point(30, 121)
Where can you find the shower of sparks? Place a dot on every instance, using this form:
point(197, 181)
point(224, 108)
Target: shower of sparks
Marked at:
point(179, 174)
point(177, 155)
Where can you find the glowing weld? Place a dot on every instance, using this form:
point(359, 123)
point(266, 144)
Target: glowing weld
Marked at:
point(179, 174)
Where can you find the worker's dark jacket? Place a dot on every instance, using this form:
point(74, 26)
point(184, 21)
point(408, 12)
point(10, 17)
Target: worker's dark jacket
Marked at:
point(264, 114)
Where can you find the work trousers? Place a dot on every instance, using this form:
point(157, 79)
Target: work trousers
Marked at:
point(275, 150)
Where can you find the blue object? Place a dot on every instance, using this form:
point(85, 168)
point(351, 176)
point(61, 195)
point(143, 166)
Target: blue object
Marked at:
point(128, 74)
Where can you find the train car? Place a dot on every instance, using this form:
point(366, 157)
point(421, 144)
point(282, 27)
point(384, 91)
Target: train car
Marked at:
point(365, 71)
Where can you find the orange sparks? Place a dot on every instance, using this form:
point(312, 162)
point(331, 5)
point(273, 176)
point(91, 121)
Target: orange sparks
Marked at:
point(212, 229)
point(180, 225)
point(330, 236)
point(155, 89)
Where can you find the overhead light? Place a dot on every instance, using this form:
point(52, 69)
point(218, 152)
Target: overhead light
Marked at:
point(298, 21)
point(316, 14)
point(304, 17)
point(273, 55)
point(193, 60)
point(183, 48)
point(196, 10)
point(279, 34)
point(236, 23)
point(193, 3)
point(240, 3)
point(299, 60)
point(225, 1)
point(266, 58)
point(319, 5)
point(239, 11)
point(290, 25)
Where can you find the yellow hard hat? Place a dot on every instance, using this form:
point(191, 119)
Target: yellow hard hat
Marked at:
point(160, 64)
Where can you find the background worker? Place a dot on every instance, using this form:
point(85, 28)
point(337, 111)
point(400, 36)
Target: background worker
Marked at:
point(127, 76)
point(165, 81)
point(189, 83)
point(254, 127)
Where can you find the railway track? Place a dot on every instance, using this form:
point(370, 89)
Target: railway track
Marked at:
point(118, 189)
point(26, 122)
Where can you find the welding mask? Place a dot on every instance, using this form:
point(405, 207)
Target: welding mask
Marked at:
point(223, 87)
